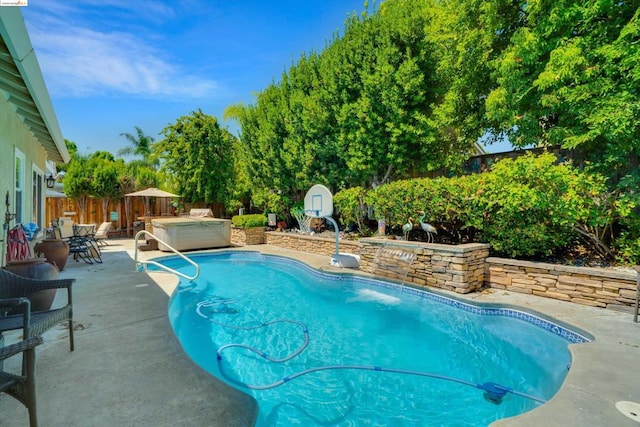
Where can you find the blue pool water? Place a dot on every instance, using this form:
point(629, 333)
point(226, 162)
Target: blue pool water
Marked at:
point(396, 356)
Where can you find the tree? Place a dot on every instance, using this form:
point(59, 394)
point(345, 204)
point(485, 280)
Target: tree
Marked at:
point(106, 183)
point(198, 158)
point(140, 145)
point(78, 183)
point(570, 76)
point(72, 148)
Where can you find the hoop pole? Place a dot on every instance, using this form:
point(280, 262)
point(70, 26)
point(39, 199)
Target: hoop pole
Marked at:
point(335, 227)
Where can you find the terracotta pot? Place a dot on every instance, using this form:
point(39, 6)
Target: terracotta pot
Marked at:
point(36, 268)
point(56, 251)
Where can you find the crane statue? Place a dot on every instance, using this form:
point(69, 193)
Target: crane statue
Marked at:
point(407, 228)
point(428, 228)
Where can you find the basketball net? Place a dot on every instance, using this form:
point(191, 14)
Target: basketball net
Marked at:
point(304, 220)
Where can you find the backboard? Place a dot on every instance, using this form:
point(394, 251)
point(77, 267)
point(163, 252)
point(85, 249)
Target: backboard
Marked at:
point(318, 202)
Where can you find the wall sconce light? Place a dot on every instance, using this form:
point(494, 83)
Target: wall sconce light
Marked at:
point(50, 180)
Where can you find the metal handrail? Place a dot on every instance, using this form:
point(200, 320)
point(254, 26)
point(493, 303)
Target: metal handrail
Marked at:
point(162, 266)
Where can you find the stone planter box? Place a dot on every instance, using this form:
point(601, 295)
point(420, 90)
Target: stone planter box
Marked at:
point(247, 236)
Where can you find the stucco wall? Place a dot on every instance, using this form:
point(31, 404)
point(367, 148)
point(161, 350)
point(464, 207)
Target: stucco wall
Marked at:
point(14, 134)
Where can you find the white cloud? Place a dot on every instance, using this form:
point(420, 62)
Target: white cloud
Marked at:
point(79, 61)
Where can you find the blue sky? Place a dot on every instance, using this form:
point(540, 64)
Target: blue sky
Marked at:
point(111, 65)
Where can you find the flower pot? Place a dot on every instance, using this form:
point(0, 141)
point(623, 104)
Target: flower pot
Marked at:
point(56, 251)
point(36, 268)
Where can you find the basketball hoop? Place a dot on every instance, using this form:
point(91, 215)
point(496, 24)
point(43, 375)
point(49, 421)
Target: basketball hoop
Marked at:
point(304, 220)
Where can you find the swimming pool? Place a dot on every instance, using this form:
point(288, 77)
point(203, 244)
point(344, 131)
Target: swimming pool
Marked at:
point(321, 349)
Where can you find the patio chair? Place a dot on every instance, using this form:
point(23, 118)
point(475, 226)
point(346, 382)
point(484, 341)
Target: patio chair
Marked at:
point(101, 235)
point(65, 226)
point(85, 248)
point(14, 286)
point(82, 247)
point(20, 386)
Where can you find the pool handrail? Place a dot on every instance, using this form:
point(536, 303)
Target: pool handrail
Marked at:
point(144, 263)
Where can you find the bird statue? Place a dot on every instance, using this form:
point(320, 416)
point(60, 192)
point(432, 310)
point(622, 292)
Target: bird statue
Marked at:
point(428, 228)
point(407, 228)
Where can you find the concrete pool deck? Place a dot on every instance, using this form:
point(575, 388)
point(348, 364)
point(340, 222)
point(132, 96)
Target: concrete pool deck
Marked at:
point(128, 369)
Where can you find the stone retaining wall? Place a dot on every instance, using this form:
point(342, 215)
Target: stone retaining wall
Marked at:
point(595, 287)
point(247, 236)
point(455, 268)
point(310, 244)
point(466, 268)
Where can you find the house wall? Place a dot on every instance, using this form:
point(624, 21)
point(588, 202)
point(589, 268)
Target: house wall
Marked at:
point(14, 134)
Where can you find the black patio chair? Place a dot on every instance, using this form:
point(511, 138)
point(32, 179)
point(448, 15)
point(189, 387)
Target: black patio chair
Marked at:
point(85, 248)
point(21, 386)
point(14, 286)
point(82, 247)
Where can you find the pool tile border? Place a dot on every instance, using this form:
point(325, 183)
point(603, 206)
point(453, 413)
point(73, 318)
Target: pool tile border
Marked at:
point(559, 330)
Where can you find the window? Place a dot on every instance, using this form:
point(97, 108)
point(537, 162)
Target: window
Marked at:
point(18, 200)
point(38, 196)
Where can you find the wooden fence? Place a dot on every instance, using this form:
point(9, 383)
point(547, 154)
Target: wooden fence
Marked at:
point(57, 207)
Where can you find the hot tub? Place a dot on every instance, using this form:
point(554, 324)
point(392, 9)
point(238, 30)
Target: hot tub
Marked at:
point(192, 233)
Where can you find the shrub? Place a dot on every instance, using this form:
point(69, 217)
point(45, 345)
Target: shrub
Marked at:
point(532, 206)
point(350, 205)
point(249, 221)
point(450, 204)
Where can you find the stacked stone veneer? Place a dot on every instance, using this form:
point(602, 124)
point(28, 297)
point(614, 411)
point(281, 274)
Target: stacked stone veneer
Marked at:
point(587, 286)
point(457, 268)
point(247, 236)
point(310, 244)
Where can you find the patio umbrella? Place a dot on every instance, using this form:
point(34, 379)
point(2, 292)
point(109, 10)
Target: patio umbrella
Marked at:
point(151, 192)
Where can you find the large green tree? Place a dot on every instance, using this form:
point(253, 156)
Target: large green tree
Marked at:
point(198, 158)
point(78, 183)
point(106, 183)
point(570, 76)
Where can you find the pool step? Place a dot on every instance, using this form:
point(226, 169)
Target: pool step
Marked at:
point(149, 245)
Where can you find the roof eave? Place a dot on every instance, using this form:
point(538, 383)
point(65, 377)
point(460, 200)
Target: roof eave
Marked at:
point(47, 132)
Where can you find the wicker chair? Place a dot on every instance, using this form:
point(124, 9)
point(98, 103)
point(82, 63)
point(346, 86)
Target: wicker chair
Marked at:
point(21, 387)
point(14, 286)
